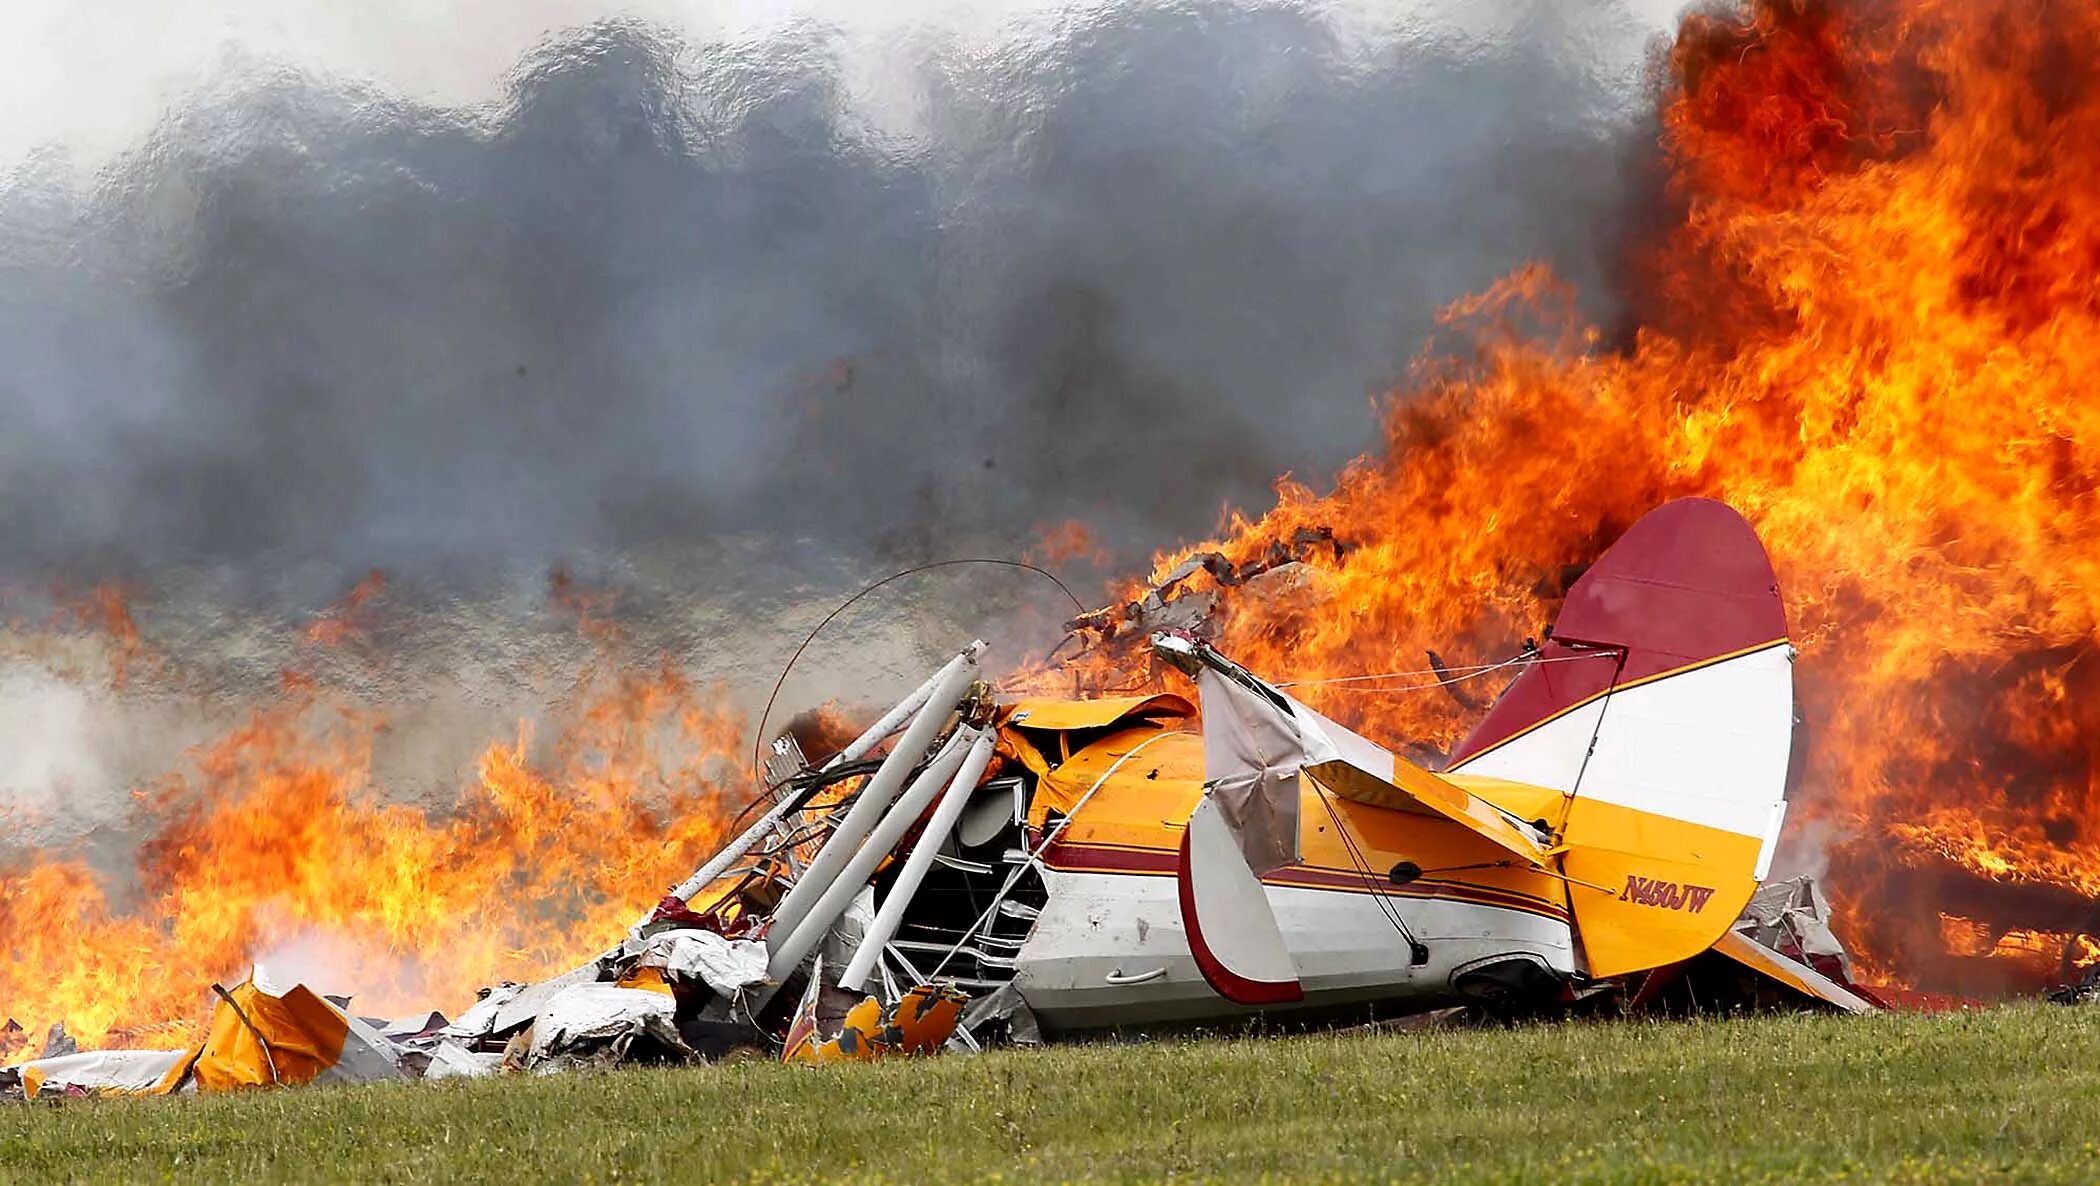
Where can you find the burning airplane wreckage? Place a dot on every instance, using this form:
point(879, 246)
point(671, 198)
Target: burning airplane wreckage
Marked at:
point(975, 869)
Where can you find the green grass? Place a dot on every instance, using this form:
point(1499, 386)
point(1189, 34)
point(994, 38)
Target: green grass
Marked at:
point(2008, 1095)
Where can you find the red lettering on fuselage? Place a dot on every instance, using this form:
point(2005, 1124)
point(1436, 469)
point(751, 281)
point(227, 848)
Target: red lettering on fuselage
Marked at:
point(1665, 895)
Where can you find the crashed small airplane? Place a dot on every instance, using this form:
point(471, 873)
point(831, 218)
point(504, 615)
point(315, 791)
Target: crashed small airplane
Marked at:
point(1020, 869)
point(1602, 830)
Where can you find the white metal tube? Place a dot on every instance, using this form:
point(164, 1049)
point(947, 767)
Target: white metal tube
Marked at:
point(875, 797)
point(892, 720)
point(851, 879)
point(721, 861)
point(889, 723)
point(1035, 855)
point(907, 884)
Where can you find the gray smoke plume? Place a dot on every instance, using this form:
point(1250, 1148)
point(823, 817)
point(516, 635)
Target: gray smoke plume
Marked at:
point(1127, 271)
point(681, 316)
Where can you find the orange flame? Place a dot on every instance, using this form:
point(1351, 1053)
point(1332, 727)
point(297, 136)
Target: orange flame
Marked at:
point(105, 612)
point(341, 622)
point(1067, 543)
point(1871, 322)
point(280, 846)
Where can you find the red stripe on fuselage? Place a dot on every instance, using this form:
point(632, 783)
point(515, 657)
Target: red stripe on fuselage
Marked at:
point(1157, 862)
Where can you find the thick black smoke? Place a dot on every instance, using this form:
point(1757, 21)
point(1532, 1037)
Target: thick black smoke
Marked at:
point(1126, 272)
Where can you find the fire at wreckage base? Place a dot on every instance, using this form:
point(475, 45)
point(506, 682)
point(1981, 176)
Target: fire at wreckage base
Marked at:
point(973, 869)
point(1863, 309)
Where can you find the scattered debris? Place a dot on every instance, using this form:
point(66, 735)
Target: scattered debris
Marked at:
point(58, 1043)
point(691, 958)
point(518, 1010)
point(479, 1022)
point(967, 872)
point(260, 1035)
point(920, 1022)
point(2083, 991)
point(101, 1072)
point(1168, 606)
point(1792, 918)
point(601, 1025)
point(1000, 1017)
point(450, 1060)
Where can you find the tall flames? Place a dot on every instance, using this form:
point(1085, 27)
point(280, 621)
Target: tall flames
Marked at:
point(278, 844)
point(1869, 318)
point(1867, 314)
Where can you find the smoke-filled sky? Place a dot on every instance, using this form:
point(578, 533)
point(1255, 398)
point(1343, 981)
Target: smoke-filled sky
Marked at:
point(92, 78)
point(470, 289)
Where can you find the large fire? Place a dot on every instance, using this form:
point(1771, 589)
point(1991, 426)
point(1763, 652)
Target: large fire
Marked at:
point(276, 843)
point(1870, 320)
point(1867, 315)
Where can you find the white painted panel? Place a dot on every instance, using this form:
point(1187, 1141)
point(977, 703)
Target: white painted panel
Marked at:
point(1709, 746)
point(1100, 924)
point(1231, 906)
point(1548, 756)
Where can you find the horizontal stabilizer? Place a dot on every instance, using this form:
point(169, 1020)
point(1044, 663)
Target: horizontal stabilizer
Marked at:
point(1367, 773)
point(1257, 740)
point(1791, 972)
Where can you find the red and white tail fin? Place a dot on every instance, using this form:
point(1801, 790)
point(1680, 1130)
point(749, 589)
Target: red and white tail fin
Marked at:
point(1245, 825)
point(1225, 911)
point(1663, 705)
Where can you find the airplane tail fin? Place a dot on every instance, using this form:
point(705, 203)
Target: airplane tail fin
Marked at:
point(1231, 928)
point(1663, 704)
point(1246, 825)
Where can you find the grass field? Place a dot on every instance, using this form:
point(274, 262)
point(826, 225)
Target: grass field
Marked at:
point(2009, 1095)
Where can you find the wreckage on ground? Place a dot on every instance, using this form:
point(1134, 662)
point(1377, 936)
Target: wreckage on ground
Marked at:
point(971, 870)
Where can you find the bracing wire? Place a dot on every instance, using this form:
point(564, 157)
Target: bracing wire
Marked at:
point(1364, 870)
point(1035, 856)
point(1445, 678)
point(759, 740)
